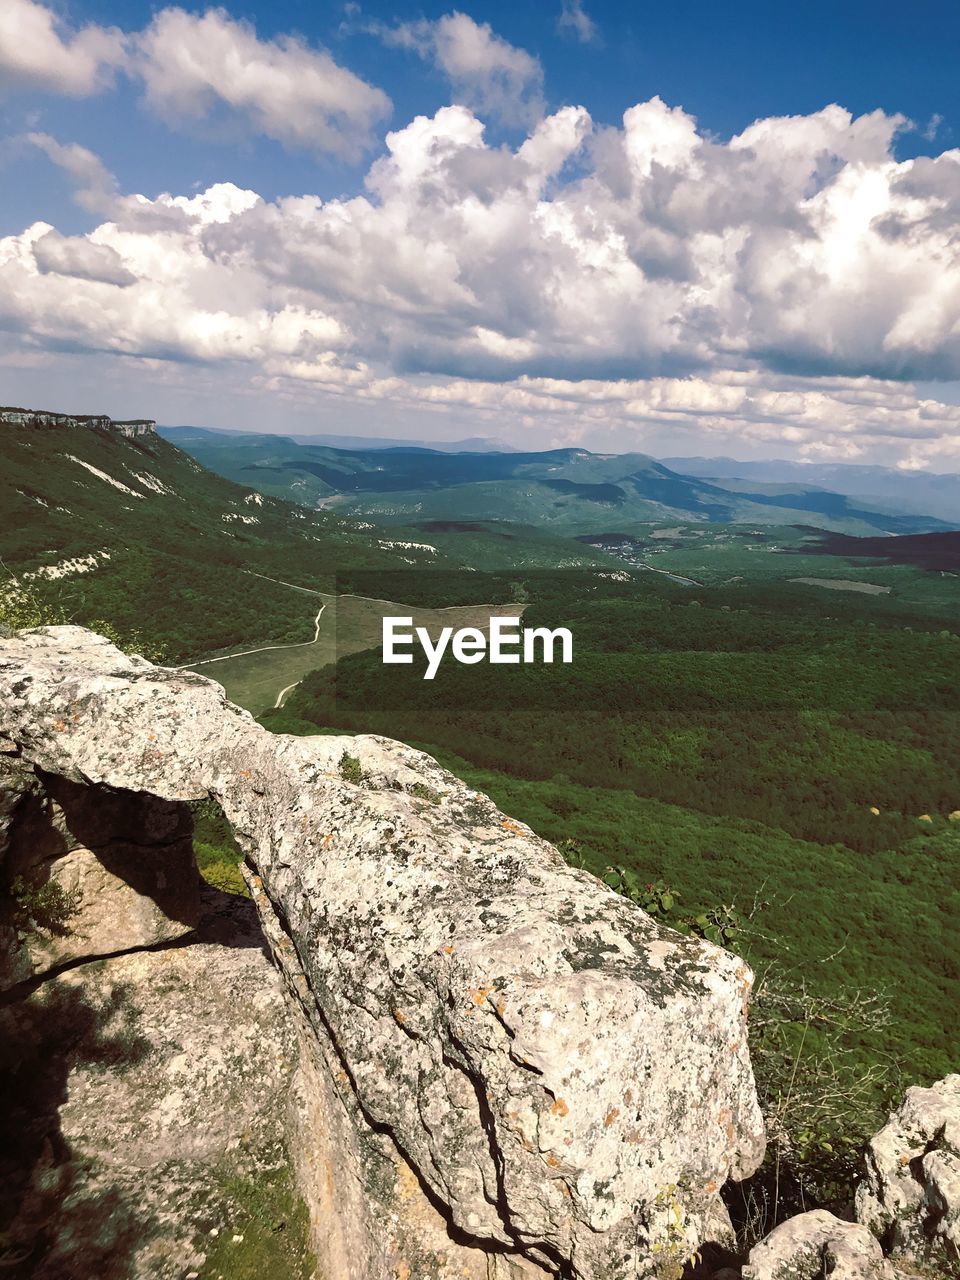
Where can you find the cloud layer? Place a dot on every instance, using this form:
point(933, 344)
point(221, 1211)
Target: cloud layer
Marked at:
point(198, 67)
point(789, 284)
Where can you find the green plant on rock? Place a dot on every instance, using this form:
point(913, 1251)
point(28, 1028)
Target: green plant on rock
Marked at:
point(423, 792)
point(720, 925)
point(45, 907)
point(350, 769)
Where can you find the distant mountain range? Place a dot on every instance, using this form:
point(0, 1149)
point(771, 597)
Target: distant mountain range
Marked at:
point(567, 491)
point(473, 444)
point(917, 491)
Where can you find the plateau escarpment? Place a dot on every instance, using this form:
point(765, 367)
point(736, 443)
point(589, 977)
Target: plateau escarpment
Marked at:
point(506, 1067)
point(130, 427)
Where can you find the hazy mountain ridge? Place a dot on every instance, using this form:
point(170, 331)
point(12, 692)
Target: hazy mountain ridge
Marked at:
point(105, 525)
point(924, 492)
point(570, 491)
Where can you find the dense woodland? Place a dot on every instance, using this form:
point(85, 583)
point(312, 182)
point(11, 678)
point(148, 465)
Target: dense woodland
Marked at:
point(797, 768)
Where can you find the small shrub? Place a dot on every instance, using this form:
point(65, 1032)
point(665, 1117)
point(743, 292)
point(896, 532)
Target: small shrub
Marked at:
point(46, 906)
point(423, 792)
point(350, 770)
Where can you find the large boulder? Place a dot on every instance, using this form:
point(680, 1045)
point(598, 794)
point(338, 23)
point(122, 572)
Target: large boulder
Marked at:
point(816, 1244)
point(910, 1197)
point(564, 1082)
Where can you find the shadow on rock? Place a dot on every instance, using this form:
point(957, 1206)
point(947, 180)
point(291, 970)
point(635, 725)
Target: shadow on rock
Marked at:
point(50, 1228)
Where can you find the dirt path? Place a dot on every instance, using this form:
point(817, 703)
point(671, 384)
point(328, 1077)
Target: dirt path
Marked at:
point(243, 653)
point(264, 676)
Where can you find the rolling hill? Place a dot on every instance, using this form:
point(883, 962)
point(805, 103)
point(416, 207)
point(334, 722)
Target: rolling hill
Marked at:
point(129, 533)
point(566, 491)
point(923, 492)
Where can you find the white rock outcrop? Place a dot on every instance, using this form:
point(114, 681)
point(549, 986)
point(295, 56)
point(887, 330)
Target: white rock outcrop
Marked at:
point(816, 1244)
point(503, 1042)
point(910, 1197)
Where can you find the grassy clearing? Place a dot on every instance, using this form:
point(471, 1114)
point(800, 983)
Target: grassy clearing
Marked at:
point(348, 624)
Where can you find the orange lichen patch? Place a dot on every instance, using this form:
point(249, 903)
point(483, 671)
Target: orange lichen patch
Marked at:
point(479, 995)
point(559, 1108)
point(448, 949)
point(327, 840)
point(711, 1188)
point(611, 1115)
point(553, 1162)
point(407, 1185)
point(726, 1120)
point(342, 1076)
point(59, 726)
point(244, 773)
point(514, 827)
point(151, 737)
point(399, 1017)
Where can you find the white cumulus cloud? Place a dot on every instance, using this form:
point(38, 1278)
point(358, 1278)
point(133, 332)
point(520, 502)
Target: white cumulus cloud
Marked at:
point(485, 72)
point(192, 65)
point(786, 286)
point(39, 51)
point(197, 66)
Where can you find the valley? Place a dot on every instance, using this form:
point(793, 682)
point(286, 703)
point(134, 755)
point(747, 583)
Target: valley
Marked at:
point(762, 709)
point(260, 679)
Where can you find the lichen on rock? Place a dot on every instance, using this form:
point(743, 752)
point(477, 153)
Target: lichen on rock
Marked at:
point(561, 1080)
point(910, 1197)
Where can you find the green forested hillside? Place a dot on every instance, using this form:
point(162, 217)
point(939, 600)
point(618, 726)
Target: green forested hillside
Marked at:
point(760, 752)
point(564, 490)
point(133, 535)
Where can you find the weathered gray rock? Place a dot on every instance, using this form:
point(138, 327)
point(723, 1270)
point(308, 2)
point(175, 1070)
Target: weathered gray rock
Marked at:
point(146, 1125)
point(813, 1245)
point(122, 866)
point(910, 1198)
point(563, 1080)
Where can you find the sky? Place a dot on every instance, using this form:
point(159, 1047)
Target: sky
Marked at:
point(685, 229)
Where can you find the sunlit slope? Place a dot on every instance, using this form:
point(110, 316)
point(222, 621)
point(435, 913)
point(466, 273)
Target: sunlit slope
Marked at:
point(561, 490)
point(135, 532)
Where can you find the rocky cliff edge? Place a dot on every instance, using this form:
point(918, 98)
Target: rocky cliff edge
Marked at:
point(561, 1082)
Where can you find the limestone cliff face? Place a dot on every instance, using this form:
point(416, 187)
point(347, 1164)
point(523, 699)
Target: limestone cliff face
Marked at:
point(12, 417)
point(513, 1071)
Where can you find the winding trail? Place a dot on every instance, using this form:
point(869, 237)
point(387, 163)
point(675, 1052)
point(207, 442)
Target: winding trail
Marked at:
point(283, 693)
point(301, 644)
point(304, 644)
point(675, 577)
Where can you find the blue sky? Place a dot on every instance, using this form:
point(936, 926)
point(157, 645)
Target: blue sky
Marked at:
point(678, 279)
point(725, 64)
